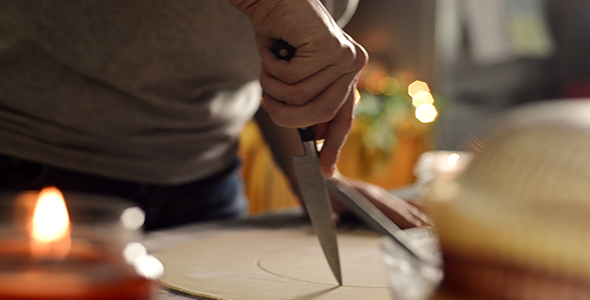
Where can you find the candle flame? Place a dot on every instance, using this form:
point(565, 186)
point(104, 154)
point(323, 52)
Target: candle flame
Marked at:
point(50, 232)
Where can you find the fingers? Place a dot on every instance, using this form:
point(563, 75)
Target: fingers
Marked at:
point(397, 210)
point(315, 86)
point(332, 128)
point(323, 108)
point(304, 78)
point(300, 92)
point(310, 58)
point(402, 214)
point(335, 135)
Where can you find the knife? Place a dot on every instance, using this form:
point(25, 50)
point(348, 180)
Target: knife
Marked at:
point(372, 216)
point(313, 185)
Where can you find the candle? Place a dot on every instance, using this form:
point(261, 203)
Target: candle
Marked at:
point(45, 255)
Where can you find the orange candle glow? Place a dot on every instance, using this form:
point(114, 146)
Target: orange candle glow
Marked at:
point(53, 261)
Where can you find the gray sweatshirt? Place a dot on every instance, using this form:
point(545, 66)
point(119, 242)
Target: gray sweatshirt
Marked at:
point(155, 91)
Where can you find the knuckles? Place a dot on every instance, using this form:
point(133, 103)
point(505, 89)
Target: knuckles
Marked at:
point(286, 84)
point(362, 57)
point(290, 77)
point(356, 58)
point(289, 94)
point(297, 96)
point(286, 117)
point(352, 55)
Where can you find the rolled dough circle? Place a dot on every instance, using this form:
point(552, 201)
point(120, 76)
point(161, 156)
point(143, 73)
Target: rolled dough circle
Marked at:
point(275, 264)
point(295, 263)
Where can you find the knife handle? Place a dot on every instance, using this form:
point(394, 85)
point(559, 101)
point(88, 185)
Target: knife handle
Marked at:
point(283, 50)
point(307, 134)
point(286, 52)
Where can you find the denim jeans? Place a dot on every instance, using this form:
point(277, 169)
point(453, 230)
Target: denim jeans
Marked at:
point(219, 196)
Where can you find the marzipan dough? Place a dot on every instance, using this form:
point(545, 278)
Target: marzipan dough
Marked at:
point(275, 264)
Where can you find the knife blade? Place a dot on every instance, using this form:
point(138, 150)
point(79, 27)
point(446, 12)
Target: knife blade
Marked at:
point(316, 198)
point(372, 216)
point(313, 185)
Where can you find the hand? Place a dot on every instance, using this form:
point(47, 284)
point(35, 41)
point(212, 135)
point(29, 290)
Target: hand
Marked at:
point(317, 86)
point(401, 212)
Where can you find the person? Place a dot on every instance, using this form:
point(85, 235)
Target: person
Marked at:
point(145, 100)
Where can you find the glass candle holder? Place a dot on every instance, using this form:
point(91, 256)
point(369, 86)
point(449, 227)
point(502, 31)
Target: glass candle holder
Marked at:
point(408, 277)
point(87, 251)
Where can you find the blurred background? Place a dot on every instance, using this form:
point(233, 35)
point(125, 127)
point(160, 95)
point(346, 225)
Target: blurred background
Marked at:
point(439, 71)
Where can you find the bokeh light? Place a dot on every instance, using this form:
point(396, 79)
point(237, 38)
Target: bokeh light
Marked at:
point(426, 113)
point(452, 159)
point(389, 86)
point(132, 218)
point(417, 86)
point(145, 264)
point(357, 97)
point(422, 97)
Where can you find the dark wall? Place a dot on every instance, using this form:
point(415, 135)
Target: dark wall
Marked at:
point(400, 32)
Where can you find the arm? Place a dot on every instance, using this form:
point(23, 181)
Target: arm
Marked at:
point(285, 143)
point(317, 86)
